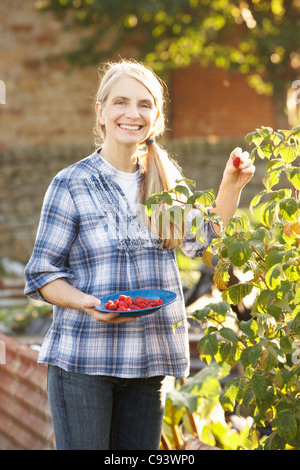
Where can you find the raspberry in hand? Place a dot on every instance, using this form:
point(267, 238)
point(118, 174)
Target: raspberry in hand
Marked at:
point(236, 162)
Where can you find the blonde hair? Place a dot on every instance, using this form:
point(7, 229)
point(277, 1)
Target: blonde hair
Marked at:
point(159, 170)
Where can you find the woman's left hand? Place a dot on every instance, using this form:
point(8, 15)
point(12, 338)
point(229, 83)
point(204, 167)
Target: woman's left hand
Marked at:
point(238, 173)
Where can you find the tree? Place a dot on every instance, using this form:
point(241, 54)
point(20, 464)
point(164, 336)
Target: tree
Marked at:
point(257, 37)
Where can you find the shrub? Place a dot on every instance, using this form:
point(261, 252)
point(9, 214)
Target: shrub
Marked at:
point(267, 345)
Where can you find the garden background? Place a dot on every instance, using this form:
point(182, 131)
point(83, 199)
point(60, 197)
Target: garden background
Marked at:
point(230, 67)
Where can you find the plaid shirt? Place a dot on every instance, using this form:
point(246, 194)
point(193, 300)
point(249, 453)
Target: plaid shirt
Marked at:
point(89, 236)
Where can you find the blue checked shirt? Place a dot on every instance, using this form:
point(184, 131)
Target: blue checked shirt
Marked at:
point(89, 236)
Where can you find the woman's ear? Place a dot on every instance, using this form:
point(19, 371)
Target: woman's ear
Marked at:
point(99, 112)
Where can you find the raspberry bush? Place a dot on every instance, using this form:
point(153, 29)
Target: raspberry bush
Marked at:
point(267, 346)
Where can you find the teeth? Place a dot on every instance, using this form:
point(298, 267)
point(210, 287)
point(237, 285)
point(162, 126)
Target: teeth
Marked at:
point(130, 128)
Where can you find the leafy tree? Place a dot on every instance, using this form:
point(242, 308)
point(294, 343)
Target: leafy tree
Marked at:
point(266, 345)
point(257, 36)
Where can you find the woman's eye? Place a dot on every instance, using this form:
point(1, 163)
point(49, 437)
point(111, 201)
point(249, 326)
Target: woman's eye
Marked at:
point(145, 105)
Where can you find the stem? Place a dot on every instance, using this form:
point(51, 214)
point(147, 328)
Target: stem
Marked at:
point(193, 424)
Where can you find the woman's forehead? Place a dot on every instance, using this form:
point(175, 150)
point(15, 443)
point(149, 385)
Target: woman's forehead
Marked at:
point(130, 87)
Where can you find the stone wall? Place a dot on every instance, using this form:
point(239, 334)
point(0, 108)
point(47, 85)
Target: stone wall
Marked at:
point(25, 174)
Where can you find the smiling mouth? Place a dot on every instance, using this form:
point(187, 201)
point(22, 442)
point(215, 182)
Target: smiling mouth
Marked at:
point(129, 127)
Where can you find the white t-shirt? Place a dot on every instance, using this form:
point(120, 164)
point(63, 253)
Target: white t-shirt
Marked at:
point(128, 182)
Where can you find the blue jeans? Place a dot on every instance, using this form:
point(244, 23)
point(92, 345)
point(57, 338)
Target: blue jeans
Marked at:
point(93, 412)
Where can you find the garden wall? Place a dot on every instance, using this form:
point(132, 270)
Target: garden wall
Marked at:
point(25, 174)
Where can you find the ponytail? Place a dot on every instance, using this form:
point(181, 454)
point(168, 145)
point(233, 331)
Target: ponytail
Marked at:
point(159, 173)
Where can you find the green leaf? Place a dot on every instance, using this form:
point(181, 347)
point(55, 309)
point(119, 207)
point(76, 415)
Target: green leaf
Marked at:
point(221, 276)
point(229, 334)
point(288, 152)
point(254, 138)
point(274, 311)
point(239, 252)
point(186, 181)
point(286, 424)
point(208, 347)
point(257, 198)
point(269, 213)
point(259, 383)
point(288, 208)
point(284, 378)
point(249, 328)
point(166, 197)
point(180, 189)
point(280, 194)
point(294, 177)
point(236, 224)
point(151, 201)
point(268, 358)
point(265, 151)
point(274, 442)
point(228, 353)
point(274, 257)
point(234, 294)
point(183, 399)
point(250, 356)
point(292, 270)
point(273, 277)
point(267, 402)
point(204, 198)
point(228, 398)
point(271, 179)
point(263, 300)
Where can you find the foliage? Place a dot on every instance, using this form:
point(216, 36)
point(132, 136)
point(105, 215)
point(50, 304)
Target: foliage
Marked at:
point(193, 410)
point(258, 36)
point(18, 318)
point(267, 345)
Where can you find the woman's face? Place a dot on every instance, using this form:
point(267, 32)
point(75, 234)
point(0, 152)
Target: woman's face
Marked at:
point(129, 112)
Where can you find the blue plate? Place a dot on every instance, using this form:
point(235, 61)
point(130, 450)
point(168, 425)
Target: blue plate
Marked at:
point(167, 296)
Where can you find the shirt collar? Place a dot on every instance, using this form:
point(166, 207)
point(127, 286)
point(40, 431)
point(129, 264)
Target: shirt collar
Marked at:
point(108, 169)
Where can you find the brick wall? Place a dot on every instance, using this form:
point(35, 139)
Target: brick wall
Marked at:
point(213, 102)
point(47, 102)
point(25, 421)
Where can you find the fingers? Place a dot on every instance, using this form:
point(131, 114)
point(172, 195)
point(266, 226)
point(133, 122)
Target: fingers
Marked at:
point(242, 161)
point(109, 317)
point(88, 304)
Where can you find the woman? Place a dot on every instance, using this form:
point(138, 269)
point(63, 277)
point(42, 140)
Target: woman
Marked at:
point(105, 372)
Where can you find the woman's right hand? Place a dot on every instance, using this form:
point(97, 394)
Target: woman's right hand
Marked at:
point(88, 304)
point(61, 293)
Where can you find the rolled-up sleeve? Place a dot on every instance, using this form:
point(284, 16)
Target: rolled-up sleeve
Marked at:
point(190, 246)
point(57, 229)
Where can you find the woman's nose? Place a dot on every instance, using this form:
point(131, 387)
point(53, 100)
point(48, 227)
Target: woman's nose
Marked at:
point(132, 112)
